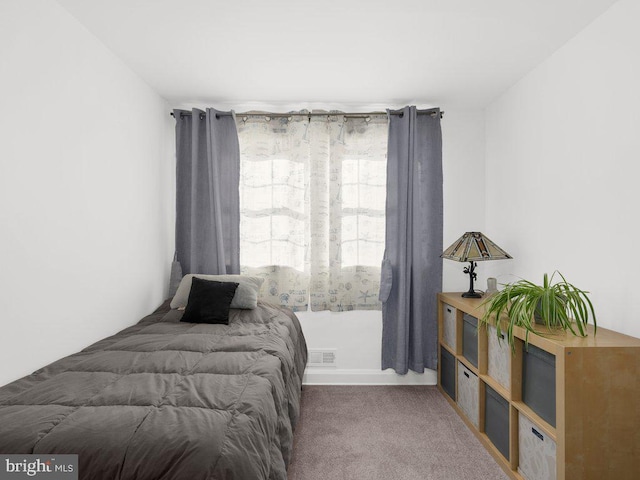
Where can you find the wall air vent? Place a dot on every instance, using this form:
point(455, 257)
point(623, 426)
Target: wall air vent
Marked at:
point(325, 357)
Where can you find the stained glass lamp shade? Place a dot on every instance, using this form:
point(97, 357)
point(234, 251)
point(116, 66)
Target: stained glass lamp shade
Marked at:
point(474, 247)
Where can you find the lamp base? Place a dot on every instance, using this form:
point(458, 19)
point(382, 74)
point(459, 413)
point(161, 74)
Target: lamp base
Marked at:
point(472, 295)
point(470, 270)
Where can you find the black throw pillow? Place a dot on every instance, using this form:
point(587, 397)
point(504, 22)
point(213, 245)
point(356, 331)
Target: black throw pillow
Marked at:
point(209, 301)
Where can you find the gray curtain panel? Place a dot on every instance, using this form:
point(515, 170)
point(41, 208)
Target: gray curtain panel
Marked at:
point(175, 276)
point(412, 267)
point(207, 192)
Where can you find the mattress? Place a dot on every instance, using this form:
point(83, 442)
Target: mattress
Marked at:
point(164, 399)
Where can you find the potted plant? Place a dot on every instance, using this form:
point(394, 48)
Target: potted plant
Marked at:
point(555, 305)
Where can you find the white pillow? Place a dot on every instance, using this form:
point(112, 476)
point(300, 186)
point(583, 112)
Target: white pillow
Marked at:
point(246, 296)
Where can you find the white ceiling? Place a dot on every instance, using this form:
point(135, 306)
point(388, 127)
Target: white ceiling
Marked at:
point(450, 53)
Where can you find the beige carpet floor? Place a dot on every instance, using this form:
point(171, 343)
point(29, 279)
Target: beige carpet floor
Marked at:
point(385, 433)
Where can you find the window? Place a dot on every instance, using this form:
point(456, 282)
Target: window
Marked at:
point(312, 201)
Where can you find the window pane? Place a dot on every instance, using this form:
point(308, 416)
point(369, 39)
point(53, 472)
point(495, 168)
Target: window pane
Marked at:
point(272, 194)
point(363, 195)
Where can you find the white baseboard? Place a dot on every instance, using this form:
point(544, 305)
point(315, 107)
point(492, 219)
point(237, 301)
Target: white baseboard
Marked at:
point(341, 376)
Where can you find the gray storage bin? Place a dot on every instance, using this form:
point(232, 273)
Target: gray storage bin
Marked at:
point(468, 387)
point(496, 420)
point(470, 339)
point(536, 452)
point(498, 357)
point(449, 326)
point(539, 382)
point(448, 373)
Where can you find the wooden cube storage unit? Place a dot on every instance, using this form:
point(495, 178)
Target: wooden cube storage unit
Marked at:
point(597, 397)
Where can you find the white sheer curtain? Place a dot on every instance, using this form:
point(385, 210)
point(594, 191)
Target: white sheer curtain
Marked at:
point(312, 202)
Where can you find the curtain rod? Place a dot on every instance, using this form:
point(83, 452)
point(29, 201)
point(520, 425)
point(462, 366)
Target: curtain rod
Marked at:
point(315, 114)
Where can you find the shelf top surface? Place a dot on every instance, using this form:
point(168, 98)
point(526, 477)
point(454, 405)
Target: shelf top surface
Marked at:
point(559, 338)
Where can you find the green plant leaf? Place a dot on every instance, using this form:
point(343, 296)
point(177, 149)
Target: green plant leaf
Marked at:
point(557, 303)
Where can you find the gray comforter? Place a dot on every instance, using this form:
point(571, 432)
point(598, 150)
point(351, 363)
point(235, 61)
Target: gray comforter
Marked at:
point(168, 400)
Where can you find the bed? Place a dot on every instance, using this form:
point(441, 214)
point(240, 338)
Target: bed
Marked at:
point(164, 399)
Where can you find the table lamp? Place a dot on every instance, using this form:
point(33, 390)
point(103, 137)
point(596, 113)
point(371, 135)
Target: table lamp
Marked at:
point(474, 247)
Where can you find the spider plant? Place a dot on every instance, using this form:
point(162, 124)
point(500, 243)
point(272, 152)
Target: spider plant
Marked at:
point(556, 305)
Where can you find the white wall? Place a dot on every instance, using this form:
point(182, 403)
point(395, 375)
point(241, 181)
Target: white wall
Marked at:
point(86, 187)
point(562, 167)
point(463, 145)
point(358, 335)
